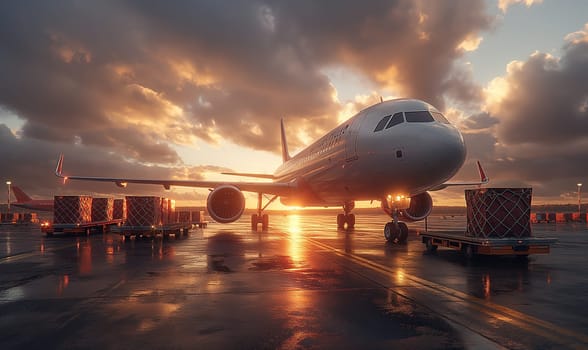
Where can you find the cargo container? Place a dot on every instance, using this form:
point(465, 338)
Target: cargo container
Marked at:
point(151, 216)
point(78, 214)
point(102, 209)
point(143, 210)
point(498, 223)
point(72, 210)
point(119, 209)
point(498, 212)
point(184, 216)
point(198, 219)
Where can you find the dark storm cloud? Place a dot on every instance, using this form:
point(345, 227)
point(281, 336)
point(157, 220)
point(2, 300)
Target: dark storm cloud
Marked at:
point(542, 130)
point(480, 121)
point(29, 163)
point(547, 100)
point(409, 45)
point(132, 77)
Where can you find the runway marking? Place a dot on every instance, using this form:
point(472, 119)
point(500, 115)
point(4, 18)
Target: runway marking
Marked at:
point(28, 254)
point(534, 325)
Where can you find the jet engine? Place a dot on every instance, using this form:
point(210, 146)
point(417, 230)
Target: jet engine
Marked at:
point(420, 207)
point(225, 204)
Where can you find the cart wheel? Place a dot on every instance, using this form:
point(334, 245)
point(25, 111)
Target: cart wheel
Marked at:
point(468, 251)
point(430, 246)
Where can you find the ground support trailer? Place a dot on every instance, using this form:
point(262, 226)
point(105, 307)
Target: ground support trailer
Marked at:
point(176, 229)
point(80, 228)
point(471, 246)
point(498, 223)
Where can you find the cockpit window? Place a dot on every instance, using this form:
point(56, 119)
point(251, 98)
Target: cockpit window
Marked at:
point(440, 117)
point(419, 117)
point(395, 120)
point(382, 123)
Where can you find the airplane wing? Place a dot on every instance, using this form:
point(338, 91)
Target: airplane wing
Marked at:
point(274, 188)
point(483, 180)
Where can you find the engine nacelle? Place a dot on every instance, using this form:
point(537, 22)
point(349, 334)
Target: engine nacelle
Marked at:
point(225, 204)
point(419, 208)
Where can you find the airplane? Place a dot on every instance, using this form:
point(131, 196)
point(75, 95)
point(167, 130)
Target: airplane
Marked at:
point(25, 201)
point(394, 152)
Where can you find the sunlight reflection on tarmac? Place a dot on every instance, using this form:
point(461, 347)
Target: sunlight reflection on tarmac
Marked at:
point(302, 284)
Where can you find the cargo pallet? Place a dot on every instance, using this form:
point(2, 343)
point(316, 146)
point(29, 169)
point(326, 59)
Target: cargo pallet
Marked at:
point(153, 230)
point(471, 246)
point(85, 228)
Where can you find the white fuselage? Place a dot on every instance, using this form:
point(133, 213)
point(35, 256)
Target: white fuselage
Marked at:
point(359, 161)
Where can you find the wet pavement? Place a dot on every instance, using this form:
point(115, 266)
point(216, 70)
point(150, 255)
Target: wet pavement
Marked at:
point(302, 285)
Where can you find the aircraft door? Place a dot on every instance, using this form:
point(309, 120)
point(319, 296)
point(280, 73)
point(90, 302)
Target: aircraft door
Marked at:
point(351, 133)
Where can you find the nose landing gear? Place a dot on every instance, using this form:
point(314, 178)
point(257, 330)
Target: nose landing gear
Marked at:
point(395, 231)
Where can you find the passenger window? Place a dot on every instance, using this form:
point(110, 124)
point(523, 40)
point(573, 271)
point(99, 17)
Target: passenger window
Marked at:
point(419, 117)
point(395, 120)
point(382, 123)
point(440, 117)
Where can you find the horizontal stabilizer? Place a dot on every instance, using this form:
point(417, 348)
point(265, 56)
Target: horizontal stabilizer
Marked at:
point(483, 180)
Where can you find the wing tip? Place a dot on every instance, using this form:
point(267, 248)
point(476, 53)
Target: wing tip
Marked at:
point(483, 178)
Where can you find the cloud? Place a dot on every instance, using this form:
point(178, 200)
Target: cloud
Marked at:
point(505, 4)
point(161, 74)
point(533, 130)
point(29, 163)
point(544, 99)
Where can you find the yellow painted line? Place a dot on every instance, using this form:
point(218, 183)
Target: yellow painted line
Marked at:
point(511, 316)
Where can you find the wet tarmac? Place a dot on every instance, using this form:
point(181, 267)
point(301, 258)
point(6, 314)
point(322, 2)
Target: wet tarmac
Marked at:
point(302, 285)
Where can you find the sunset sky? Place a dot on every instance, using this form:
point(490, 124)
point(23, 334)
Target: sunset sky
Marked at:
point(187, 89)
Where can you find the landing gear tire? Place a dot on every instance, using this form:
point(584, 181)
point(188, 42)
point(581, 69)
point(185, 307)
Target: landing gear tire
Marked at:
point(391, 232)
point(348, 219)
point(341, 221)
point(264, 222)
point(254, 221)
point(403, 235)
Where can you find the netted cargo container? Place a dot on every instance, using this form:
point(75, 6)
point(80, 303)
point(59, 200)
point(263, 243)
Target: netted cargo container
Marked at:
point(172, 215)
point(30, 217)
point(143, 210)
point(184, 216)
point(119, 209)
point(9, 217)
point(197, 216)
point(72, 209)
point(498, 212)
point(102, 209)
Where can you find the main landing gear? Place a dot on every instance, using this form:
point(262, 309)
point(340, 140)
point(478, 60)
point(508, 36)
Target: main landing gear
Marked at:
point(395, 231)
point(347, 218)
point(260, 218)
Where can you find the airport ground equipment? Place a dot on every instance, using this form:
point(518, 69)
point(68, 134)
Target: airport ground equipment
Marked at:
point(81, 215)
point(150, 216)
point(81, 228)
point(498, 223)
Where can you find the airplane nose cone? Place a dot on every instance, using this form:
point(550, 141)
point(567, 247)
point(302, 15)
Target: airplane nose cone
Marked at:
point(450, 152)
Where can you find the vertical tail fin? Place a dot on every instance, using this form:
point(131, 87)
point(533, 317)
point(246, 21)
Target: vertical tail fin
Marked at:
point(20, 195)
point(285, 154)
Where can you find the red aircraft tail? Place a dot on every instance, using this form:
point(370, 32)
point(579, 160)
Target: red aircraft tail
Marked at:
point(20, 195)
